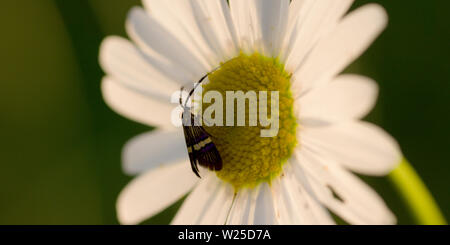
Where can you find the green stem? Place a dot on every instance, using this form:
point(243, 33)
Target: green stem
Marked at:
point(416, 195)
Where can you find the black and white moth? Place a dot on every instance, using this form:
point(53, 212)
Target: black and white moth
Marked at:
point(200, 146)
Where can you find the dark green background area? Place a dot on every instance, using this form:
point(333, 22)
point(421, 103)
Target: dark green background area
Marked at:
point(61, 145)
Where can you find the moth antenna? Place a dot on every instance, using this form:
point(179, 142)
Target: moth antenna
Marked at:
point(181, 96)
point(200, 82)
point(195, 87)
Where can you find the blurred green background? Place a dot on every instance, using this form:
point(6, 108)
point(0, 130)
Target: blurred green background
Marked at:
point(61, 145)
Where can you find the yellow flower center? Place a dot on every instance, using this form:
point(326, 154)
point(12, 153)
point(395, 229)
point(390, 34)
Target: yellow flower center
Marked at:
point(248, 158)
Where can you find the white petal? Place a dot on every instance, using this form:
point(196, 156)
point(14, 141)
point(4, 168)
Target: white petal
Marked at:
point(130, 66)
point(342, 46)
point(347, 97)
point(301, 204)
point(154, 191)
point(297, 9)
point(218, 211)
point(260, 24)
point(214, 20)
point(136, 105)
point(243, 210)
point(179, 18)
point(361, 147)
point(310, 20)
point(150, 150)
point(197, 203)
point(243, 16)
point(273, 18)
point(148, 31)
point(342, 192)
point(287, 203)
point(265, 210)
point(282, 204)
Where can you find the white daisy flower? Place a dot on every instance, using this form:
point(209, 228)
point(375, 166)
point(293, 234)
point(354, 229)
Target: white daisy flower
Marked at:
point(300, 48)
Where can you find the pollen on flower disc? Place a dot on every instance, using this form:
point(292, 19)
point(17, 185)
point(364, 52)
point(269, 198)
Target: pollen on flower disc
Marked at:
point(248, 158)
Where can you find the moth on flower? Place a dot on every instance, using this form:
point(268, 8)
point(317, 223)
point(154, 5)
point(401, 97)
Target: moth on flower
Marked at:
point(201, 148)
point(300, 48)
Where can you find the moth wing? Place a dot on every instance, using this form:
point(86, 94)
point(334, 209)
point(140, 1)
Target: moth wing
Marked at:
point(201, 149)
point(209, 157)
point(190, 142)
